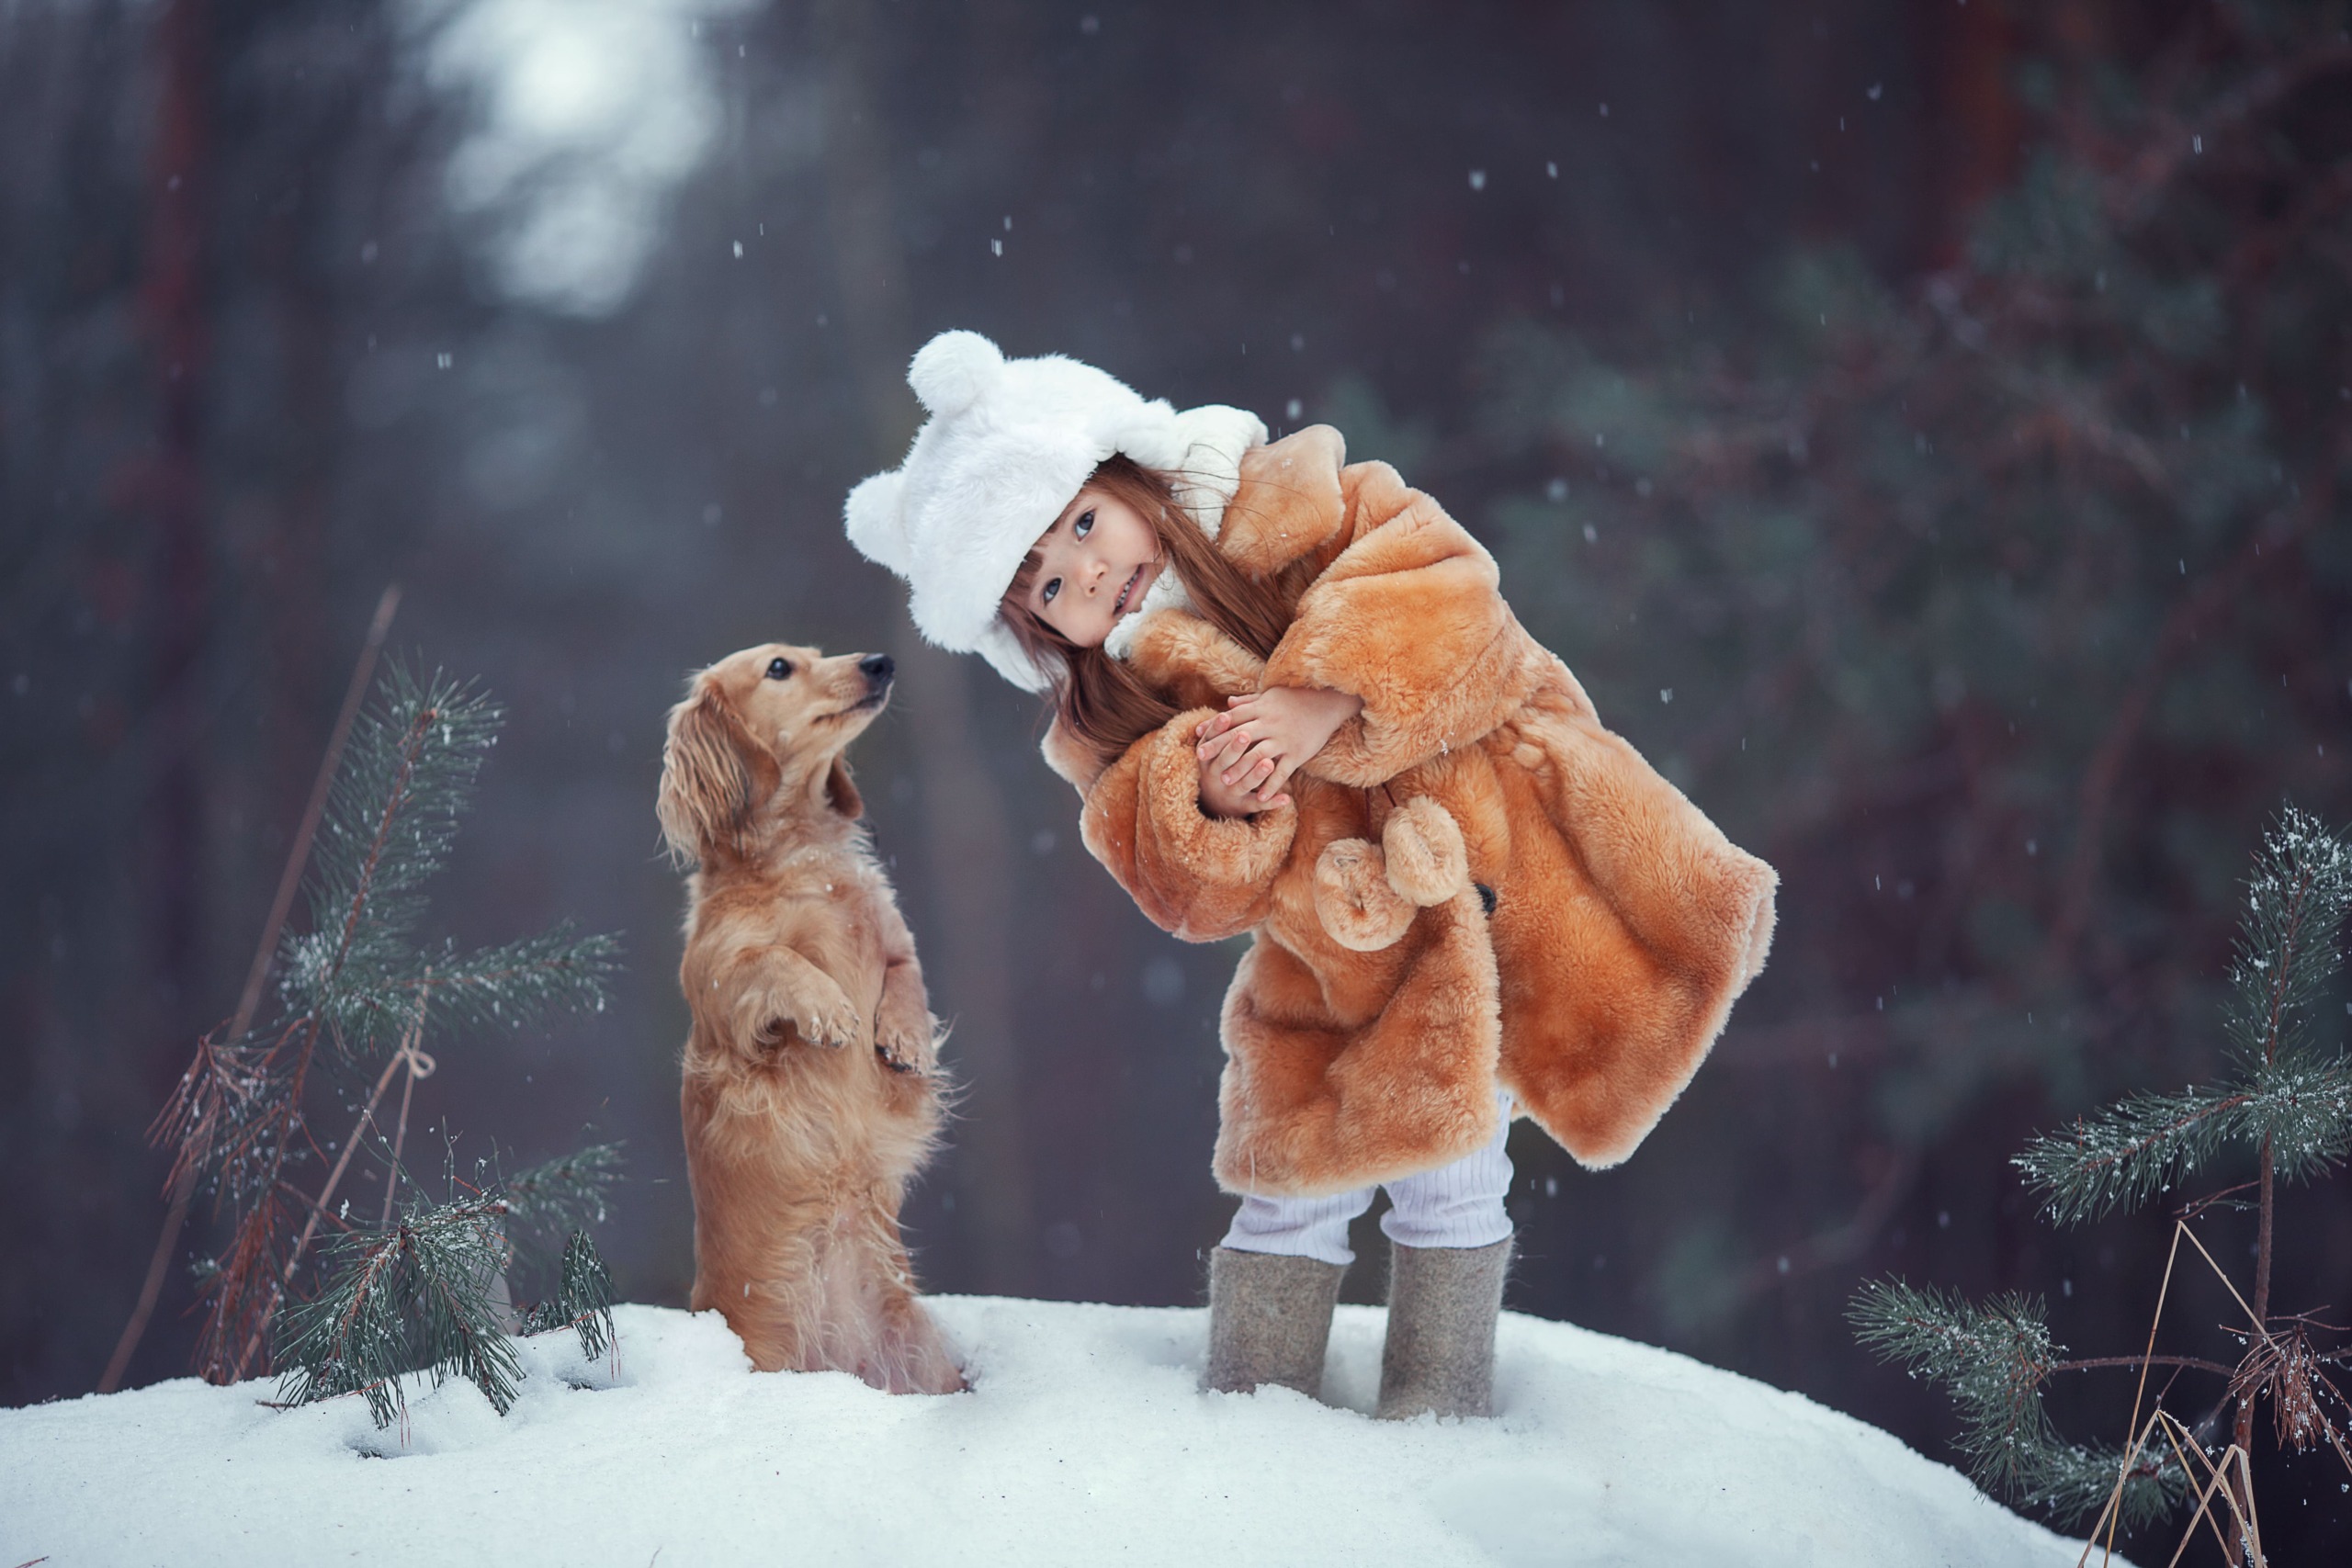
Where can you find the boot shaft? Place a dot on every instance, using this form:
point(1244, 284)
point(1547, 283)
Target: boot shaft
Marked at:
point(1270, 1321)
point(1440, 1353)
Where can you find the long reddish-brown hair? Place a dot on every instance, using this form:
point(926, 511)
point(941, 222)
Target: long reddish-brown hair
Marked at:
point(1100, 700)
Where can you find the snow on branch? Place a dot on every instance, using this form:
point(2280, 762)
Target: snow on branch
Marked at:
point(2289, 1099)
point(356, 996)
point(423, 1296)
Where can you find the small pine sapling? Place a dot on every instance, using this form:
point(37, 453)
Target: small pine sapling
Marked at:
point(358, 995)
point(421, 1295)
point(2284, 1108)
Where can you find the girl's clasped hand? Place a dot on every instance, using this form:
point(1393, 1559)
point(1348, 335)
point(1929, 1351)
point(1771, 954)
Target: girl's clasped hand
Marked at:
point(1248, 752)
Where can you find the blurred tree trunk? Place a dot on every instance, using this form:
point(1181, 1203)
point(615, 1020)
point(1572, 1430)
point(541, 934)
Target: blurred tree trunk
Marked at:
point(1981, 151)
point(294, 257)
point(968, 949)
point(175, 317)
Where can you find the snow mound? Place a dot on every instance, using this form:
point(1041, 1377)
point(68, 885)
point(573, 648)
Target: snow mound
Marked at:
point(1082, 1440)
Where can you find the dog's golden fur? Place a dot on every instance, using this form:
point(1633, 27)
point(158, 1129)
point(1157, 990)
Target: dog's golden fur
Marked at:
point(811, 1085)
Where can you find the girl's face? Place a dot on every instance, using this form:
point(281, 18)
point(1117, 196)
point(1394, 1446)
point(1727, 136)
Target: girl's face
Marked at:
point(1093, 565)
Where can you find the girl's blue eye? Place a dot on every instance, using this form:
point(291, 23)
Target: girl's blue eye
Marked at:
point(1046, 594)
point(1084, 526)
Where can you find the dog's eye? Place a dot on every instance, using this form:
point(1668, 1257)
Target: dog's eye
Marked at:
point(1084, 526)
point(779, 668)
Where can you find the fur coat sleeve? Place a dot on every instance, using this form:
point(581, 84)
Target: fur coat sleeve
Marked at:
point(1408, 616)
point(1195, 876)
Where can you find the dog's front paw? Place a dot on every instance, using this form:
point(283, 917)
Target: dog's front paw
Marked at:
point(834, 1026)
point(811, 1008)
point(908, 1048)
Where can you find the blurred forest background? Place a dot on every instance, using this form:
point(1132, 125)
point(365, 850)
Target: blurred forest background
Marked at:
point(1922, 427)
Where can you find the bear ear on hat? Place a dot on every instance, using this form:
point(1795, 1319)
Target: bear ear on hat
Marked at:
point(874, 519)
point(954, 370)
point(1147, 432)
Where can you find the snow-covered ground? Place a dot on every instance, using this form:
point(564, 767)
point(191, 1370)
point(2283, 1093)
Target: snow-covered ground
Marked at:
point(1082, 1442)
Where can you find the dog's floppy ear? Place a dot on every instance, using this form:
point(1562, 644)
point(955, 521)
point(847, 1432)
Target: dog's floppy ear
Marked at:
point(705, 775)
point(841, 793)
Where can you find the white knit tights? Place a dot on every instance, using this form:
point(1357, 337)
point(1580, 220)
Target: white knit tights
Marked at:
point(1456, 1205)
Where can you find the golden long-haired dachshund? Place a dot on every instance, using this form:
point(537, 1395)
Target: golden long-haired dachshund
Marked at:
point(811, 1092)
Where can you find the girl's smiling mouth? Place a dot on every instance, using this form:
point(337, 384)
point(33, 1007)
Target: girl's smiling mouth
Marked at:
point(1128, 591)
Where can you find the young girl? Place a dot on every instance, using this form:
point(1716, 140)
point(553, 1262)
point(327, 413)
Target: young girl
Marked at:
point(1296, 704)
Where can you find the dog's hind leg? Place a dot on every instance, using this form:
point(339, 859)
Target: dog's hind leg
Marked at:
point(910, 1355)
point(904, 1031)
point(913, 1357)
point(904, 1351)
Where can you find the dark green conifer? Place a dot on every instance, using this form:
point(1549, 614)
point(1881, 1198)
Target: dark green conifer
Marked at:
point(358, 993)
point(2282, 1109)
point(421, 1294)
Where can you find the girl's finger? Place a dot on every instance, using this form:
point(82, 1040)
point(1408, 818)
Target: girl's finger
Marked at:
point(1235, 762)
point(1263, 751)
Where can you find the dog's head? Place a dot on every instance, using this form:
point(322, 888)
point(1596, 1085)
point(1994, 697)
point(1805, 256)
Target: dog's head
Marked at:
point(767, 724)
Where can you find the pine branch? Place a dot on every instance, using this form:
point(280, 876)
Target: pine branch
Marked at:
point(393, 816)
point(2304, 1107)
point(1993, 1361)
point(516, 986)
point(241, 1285)
point(564, 1195)
point(338, 1343)
point(2127, 1153)
point(224, 1080)
point(391, 820)
point(2072, 1482)
point(2297, 901)
point(458, 1263)
point(582, 1300)
point(2291, 1097)
point(413, 1298)
point(417, 1297)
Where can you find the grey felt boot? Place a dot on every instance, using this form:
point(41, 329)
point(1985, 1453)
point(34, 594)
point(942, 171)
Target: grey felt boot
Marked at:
point(1270, 1321)
point(1440, 1355)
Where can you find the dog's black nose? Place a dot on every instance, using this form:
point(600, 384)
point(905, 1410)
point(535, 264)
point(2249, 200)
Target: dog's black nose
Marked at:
point(878, 667)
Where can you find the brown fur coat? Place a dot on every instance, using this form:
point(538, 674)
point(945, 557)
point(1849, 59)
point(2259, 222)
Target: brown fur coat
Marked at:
point(1380, 1004)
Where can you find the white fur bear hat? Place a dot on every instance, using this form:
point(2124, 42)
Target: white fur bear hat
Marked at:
point(1008, 443)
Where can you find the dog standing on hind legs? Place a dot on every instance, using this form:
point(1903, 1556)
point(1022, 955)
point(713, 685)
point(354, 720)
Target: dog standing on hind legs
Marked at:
point(811, 1087)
